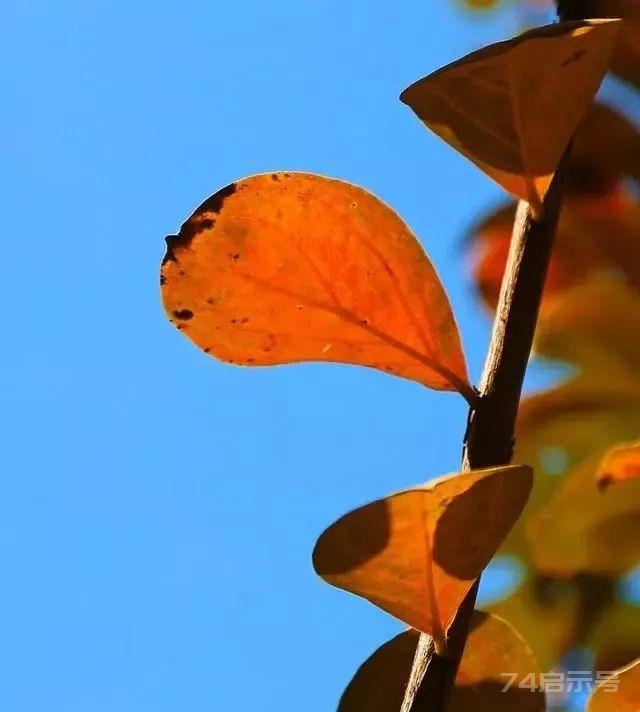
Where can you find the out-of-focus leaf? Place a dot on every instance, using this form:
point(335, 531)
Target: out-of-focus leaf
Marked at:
point(618, 693)
point(606, 149)
point(545, 613)
point(619, 464)
point(584, 529)
point(625, 61)
point(595, 326)
point(576, 528)
point(493, 648)
point(296, 267)
point(481, 4)
point(616, 637)
point(595, 235)
point(512, 107)
point(417, 553)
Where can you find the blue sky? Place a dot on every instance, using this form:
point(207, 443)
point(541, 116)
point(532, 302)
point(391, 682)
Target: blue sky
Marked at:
point(157, 509)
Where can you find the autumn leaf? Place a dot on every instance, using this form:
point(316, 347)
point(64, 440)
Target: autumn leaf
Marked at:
point(616, 637)
point(295, 267)
point(597, 235)
point(512, 107)
point(584, 529)
point(574, 527)
point(417, 553)
point(545, 612)
point(606, 150)
point(620, 691)
point(493, 647)
point(619, 464)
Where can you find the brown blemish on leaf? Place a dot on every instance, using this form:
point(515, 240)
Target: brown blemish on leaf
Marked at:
point(183, 314)
point(196, 223)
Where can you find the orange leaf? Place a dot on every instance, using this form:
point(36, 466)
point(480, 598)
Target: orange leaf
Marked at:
point(620, 692)
point(417, 553)
point(606, 150)
point(619, 464)
point(296, 267)
point(493, 648)
point(512, 107)
point(595, 235)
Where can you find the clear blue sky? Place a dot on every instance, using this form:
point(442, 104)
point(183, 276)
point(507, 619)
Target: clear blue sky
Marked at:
point(157, 509)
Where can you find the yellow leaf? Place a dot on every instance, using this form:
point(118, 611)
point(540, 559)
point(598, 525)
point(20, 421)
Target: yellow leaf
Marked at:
point(545, 612)
point(481, 4)
point(616, 637)
point(417, 553)
point(296, 267)
point(583, 529)
point(493, 648)
point(619, 464)
point(512, 107)
point(618, 693)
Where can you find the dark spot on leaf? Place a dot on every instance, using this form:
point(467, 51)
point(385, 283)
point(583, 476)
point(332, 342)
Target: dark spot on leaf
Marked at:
point(207, 350)
point(245, 320)
point(163, 280)
point(275, 177)
point(194, 224)
point(605, 482)
point(183, 314)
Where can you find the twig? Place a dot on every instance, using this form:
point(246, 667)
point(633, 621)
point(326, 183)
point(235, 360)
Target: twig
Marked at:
point(489, 439)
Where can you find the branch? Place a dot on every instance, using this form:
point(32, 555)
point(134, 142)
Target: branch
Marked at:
point(490, 433)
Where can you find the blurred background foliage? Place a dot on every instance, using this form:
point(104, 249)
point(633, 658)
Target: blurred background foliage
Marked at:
point(571, 563)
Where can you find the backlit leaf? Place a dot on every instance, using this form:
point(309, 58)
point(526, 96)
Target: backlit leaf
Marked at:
point(296, 267)
point(493, 647)
point(580, 528)
point(595, 235)
point(584, 529)
point(619, 464)
point(512, 107)
point(618, 693)
point(417, 553)
point(545, 613)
